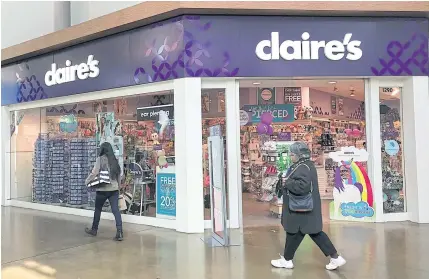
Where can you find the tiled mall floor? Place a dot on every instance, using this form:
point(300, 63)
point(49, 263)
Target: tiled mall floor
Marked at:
point(41, 245)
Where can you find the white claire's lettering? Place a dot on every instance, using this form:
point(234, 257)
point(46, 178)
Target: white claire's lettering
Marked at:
point(70, 73)
point(308, 50)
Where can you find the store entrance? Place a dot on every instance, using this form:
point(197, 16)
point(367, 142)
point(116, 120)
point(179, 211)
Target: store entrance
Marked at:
point(325, 114)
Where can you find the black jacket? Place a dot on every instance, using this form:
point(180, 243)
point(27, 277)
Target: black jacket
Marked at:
point(299, 183)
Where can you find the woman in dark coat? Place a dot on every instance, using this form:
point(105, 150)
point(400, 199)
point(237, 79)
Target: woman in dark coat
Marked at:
point(300, 180)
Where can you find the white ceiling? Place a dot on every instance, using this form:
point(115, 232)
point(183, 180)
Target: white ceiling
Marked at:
point(342, 87)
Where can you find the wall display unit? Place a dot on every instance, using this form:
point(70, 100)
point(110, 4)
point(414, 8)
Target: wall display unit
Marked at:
point(392, 158)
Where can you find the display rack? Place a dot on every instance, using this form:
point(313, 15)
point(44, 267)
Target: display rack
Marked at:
point(140, 187)
point(142, 180)
point(60, 167)
point(322, 135)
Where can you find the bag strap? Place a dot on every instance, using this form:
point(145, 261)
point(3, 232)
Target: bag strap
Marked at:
point(311, 182)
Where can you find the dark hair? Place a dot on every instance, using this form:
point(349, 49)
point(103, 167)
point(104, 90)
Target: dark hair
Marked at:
point(114, 168)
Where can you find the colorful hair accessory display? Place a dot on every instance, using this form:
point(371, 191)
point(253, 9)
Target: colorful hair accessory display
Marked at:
point(353, 133)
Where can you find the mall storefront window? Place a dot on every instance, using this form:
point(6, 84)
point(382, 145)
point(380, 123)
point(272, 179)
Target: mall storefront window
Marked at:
point(58, 107)
point(53, 149)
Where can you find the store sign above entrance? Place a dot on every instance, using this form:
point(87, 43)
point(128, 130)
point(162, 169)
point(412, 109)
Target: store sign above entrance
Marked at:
point(307, 49)
point(195, 46)
point(82, 71)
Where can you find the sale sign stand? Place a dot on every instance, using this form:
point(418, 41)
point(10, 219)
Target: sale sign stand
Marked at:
point(220, 235)
point(166, 192)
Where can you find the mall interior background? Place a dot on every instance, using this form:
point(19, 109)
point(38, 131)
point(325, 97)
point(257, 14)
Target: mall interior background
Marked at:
point(213, 84)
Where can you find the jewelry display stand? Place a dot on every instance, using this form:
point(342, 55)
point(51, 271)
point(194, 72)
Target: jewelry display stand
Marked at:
point(140, 184)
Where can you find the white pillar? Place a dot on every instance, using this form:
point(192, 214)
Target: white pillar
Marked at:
point(232, 99)
point(415, 105)
point(5, 156)
point(188, 149)
point(305, 97)
point(373, 143)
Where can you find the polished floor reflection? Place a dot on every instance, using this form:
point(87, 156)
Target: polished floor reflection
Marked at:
point(43, 245)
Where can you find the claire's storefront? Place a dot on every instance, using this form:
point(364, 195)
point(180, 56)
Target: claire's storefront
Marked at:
point(153, 93)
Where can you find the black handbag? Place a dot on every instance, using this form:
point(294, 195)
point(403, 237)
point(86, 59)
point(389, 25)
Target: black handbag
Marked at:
point(300, 203)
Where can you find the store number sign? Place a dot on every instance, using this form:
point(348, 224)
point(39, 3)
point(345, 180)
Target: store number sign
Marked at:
point(166, 194)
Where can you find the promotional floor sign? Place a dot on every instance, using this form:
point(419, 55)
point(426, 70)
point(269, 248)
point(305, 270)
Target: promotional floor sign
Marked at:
point(353, 193)
point(166, 192)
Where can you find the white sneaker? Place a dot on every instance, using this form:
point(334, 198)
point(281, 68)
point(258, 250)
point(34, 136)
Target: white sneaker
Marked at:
point(282, 263)
point(336, 263)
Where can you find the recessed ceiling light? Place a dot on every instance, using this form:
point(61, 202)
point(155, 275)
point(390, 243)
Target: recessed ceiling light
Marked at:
point(256, 83)
point(332, 82)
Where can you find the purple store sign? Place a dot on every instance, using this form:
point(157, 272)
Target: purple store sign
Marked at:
point(225, 46)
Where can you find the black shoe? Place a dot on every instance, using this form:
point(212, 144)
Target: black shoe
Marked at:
point(119, 235)
point(91, 232)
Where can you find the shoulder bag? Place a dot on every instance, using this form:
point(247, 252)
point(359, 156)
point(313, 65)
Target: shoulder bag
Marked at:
point(300, 203)
point(103, 177)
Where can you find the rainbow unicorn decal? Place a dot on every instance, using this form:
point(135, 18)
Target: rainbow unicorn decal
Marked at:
point(353, 196)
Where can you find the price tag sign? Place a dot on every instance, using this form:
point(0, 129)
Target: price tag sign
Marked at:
point(166, 194)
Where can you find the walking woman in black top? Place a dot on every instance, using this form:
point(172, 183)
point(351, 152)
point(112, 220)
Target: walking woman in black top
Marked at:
point(301, 180)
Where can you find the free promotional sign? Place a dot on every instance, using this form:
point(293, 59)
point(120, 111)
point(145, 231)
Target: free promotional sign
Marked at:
point(292, 95)
point(152, 113)
point(166, 193)
point(281, 113)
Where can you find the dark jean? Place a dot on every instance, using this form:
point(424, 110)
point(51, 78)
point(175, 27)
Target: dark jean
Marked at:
point(100, 199)
point(293, 240)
